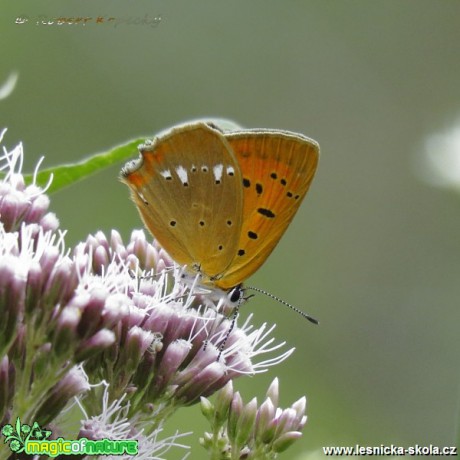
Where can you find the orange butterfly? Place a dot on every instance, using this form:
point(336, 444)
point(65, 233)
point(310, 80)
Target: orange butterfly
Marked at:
point(218, 202)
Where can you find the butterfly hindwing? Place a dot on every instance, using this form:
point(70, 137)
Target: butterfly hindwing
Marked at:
point(277, 168)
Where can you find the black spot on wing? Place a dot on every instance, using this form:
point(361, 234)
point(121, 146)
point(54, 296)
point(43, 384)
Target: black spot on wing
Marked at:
point(266, 212)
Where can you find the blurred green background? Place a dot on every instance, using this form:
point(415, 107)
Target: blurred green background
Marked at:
point(374, 252)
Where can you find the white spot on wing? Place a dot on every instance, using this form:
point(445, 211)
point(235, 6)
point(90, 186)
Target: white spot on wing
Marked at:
point(166, 174)
point(182, 173)
point(142, 197)
point(217, 170)
point(230, 170)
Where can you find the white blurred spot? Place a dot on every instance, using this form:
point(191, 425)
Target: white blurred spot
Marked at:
point(182, 173)
point(441, 162)
point(218, 171)
point(166, 174)
point(7, 88)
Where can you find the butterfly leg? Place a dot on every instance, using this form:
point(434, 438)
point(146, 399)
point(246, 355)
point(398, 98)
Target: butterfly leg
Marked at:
point(235, 296)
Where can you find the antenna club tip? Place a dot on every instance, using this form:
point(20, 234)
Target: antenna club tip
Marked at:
point(274, 297)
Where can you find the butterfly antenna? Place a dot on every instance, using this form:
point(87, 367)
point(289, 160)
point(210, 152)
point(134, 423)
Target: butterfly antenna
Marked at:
point(274, 297)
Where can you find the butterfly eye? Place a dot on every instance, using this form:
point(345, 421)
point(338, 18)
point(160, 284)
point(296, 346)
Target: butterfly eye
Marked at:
point(236, 294)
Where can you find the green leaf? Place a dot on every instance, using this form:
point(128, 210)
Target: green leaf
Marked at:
point(68, 174)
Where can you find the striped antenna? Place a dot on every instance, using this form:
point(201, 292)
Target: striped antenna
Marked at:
point(274, 297)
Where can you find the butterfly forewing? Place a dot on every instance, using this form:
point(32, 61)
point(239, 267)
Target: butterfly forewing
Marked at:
point(187, 188)
point(276, 168)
